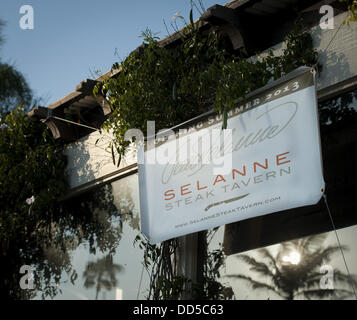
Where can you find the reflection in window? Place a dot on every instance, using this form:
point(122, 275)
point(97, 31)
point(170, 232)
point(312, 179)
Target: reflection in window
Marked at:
point(305, 268)
point(342, 108)
point(99, 260)
point(102, 274)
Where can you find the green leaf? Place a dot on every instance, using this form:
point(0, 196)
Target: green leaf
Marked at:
point(174, 92)
point(113, 157)
point(225, 119)
point(119, 160)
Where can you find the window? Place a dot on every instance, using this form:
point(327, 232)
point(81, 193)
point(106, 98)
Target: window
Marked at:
point(112, 213)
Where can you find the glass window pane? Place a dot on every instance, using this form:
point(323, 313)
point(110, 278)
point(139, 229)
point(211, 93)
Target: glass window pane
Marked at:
point(111, 267)
point(306, 268)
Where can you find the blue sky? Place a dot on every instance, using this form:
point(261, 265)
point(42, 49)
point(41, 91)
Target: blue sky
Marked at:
point(71, 39)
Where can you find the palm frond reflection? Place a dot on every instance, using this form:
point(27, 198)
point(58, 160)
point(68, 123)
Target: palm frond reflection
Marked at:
point(101, 274)
point(293, 272)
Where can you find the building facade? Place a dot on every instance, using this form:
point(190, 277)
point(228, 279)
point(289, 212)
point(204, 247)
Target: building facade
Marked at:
point(93, 176)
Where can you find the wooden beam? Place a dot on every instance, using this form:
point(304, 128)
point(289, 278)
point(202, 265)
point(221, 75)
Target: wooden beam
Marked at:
point(228, 19)
point(104, 104)
point(87, 86)
point(67, 100)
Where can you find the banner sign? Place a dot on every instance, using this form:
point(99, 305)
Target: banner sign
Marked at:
point(267, 160)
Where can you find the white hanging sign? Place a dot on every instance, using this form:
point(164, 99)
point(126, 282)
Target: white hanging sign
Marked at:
point(267, 160)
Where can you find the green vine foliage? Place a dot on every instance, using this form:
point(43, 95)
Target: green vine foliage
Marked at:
point(160, 84)
point(169, 85)
point(208, 286)
point(161, 264)
point(42, 233)
point(30, 165)
point(352, 11)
